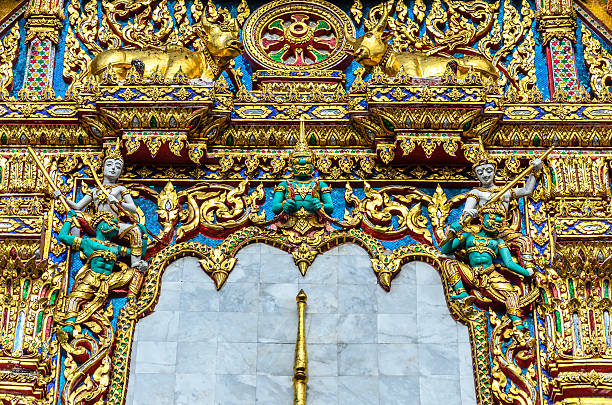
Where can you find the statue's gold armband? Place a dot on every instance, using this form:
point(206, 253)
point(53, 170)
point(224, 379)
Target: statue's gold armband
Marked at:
point(76, 245)
point(474, 196)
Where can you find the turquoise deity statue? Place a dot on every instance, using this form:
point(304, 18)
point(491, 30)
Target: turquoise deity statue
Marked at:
point(304, 194)
point(102, 272)
point(484, 245)
point(484, 251)
point(485, 169)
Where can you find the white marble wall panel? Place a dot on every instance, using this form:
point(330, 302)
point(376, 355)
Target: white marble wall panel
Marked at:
point(236, 346)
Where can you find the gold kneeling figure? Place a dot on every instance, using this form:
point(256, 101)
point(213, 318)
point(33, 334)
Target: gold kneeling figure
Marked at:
point(222, 45)
point(372, 49)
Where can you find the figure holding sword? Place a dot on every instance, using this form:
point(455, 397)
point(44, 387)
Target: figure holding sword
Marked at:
point(489, 193)
point(113, 198)
point(103, 272)
point(485, 262)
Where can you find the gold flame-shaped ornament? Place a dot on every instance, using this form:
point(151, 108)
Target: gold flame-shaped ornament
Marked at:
point(301, 149)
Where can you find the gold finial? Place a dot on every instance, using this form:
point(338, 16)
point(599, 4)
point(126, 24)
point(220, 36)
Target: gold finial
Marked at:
point(300, 363)
point(301, 297)
point(301, 148)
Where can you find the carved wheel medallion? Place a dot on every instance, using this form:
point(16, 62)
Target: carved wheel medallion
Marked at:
point(296, 35)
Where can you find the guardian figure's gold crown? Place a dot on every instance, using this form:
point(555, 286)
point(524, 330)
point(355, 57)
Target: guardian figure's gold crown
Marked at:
point(302, 149)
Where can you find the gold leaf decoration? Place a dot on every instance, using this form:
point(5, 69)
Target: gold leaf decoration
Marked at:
point(9, 49)
point(243, 12)
point(357, 11)
point(401, 10)
point(419, 10)
point(599, 62)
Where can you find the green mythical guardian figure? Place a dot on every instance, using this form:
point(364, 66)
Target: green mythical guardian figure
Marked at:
point(490, 240)
point(303, 199)
point(102, 272)
point(114, 198)
point(483, 246)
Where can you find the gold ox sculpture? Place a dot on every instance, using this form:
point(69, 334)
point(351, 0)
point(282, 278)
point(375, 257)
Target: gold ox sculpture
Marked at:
point(372, 49)
point(222, 40)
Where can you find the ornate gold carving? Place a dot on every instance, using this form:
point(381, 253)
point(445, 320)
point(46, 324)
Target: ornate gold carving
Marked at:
point(511, 384)
point(372, 50)
point(213, 34)
point(576, 310)
point(592, 378)
point(243, 12)
point(467, 25)
point(218, 209)
point(218, 266)
point(579, 196)
point(578, 176)
point(391, 211)
point(599, 62)
point(9, 49)
point(563, 135)
point(558, 22)
point(96, 368)
point(45, 135)
point(175, 142)
point(44, 20)
point(31, 293)
point(260, 136)
point(357, 11)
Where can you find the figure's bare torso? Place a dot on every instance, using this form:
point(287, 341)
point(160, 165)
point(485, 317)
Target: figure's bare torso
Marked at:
point(100, 200)
point(484, 195)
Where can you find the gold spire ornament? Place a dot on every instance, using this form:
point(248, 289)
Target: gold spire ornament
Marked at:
point(300, 364)
point(302, 149)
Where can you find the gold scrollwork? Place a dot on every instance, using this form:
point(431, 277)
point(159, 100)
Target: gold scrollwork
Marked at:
point(511, 384)
point(8, 55)
point(218, 208)
point(379, 208)
point(599, 62)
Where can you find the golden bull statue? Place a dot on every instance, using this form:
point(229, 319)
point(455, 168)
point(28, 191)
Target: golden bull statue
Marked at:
point(372, 50)
point(222, 42)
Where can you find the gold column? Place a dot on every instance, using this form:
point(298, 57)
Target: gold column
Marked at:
point(300, 363)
